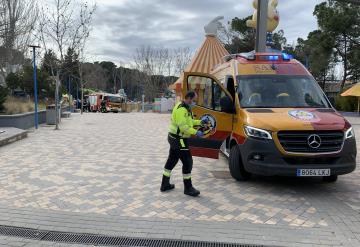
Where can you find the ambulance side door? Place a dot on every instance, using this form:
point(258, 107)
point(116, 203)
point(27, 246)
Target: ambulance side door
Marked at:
point(215, 104)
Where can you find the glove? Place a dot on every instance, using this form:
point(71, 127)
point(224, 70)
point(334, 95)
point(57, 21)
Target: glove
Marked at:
point(199, 133)
point(204, 121)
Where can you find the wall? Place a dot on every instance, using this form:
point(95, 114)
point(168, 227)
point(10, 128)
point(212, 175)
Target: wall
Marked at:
point(22, 121)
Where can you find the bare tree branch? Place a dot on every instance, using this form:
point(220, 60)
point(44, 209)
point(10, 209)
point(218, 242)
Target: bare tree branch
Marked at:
point(17, 23)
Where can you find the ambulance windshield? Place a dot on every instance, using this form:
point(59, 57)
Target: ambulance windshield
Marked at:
point(280, 91)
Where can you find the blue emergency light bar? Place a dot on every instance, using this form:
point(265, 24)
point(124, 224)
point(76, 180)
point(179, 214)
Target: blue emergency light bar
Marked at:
point(268, 57)
point(252, 56)
point(286, 56)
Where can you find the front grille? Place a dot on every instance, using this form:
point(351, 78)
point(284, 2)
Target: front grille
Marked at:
point(297, 141)
point(311, 161)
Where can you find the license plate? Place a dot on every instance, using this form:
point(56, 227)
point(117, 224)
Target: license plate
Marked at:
point(313, 172)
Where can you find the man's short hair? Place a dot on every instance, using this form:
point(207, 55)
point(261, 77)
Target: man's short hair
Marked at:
point(190, 95)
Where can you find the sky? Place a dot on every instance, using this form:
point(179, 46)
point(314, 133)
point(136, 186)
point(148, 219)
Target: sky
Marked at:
point(121, 26)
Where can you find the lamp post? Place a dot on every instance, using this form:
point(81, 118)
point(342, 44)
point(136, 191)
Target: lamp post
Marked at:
point(260, 42)
point(77, 95)
point(35, 86)
point(69, 92)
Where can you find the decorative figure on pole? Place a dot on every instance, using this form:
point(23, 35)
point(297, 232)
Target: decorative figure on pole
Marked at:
point(213, 26)
point(273, 19)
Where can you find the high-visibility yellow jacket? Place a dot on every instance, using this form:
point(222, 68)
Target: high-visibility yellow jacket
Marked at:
point(182, 121)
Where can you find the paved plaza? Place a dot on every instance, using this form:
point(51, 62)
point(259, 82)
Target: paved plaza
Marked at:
point(101, 174)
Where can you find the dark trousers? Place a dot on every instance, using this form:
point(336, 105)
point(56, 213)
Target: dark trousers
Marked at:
point(179, 149)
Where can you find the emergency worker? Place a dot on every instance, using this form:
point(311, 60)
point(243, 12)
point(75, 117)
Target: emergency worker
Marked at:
point(181, 128)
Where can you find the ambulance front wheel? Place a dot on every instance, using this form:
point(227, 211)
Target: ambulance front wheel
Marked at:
point(236, 165)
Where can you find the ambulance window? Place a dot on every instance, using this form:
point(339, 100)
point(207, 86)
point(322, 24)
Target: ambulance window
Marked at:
point(203, 87)
point(218, 94)
point(230, 87)
point(207, 95)
point(208, 91)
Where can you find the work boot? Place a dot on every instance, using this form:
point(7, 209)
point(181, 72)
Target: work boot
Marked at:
point(165, 184)
point(189, 189)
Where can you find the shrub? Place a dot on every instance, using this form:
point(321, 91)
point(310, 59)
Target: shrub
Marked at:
point(348, 103)
point(15, 105)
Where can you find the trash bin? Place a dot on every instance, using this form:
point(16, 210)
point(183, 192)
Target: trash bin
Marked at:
point(51, 114)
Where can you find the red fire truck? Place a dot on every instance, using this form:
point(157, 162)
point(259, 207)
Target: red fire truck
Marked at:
point(95, 101)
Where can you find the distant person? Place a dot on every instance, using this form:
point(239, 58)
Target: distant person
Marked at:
point(181, 128)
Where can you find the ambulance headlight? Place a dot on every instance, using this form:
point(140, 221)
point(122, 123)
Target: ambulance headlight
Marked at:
point(257, 133)
point(350, 133)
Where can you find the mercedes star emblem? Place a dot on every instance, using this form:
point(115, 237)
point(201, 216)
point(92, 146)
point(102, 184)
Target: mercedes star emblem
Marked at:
point(314, 141)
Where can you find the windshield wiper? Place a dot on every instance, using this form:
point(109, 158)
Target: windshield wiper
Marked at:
point(268, 106)
point(315, 106)
point(263, 107)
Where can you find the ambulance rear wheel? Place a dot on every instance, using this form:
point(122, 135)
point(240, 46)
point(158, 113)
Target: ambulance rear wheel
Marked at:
point(236, 165)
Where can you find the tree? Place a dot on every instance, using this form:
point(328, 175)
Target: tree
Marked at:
point(341, 21)
point(302, 52)
point(150, 62)
point(182, 59)
point(14, 81)
point(279, 40)
point(66, 24)
point(238, 37)
point(46, 86)
point(70, 71)
point(320, 49)
point(17, 21)
point(156, 62)
point(95, 76)
point(3, 96)
point(111, 71)
point(27, 77)
point(316, 53)
point(50, 62)
point(354, 63)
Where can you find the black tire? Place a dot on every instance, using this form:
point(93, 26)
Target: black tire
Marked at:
point(236, 166)
point(330, 179)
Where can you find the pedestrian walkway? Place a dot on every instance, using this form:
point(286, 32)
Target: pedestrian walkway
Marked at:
point(101, 174)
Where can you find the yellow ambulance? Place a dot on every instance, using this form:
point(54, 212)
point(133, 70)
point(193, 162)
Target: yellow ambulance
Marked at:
point(270, 117)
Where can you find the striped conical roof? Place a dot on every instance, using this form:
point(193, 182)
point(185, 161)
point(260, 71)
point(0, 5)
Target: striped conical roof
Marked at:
point(210, 54)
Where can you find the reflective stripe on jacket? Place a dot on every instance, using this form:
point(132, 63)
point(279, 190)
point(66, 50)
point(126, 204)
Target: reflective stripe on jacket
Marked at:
point(182, 122)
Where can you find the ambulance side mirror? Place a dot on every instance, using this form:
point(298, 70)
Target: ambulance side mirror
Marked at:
point(227, 105)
